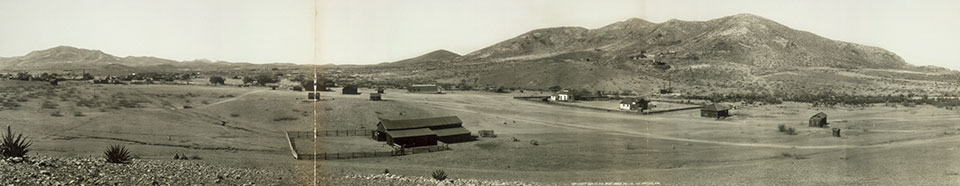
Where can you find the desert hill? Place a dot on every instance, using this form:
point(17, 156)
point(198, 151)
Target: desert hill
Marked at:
point(636, 55)
point(67, 58)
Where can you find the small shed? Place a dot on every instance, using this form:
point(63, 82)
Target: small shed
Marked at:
point(350, 89)
point(425, 88)
point(562, 95)
point(715, 111)
point(380, 90)
point(313, 96)
point(818, 120)
point(634, 104)
point(375, 97)
point(297, 88)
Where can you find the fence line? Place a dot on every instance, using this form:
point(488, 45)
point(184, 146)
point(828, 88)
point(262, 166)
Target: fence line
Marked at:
point(327, 133)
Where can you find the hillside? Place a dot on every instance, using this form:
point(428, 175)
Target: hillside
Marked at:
point(698, 57)
point(67, 58)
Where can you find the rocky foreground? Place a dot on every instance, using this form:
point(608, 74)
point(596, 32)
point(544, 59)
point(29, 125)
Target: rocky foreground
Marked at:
point(353, 179)
point(96, 171)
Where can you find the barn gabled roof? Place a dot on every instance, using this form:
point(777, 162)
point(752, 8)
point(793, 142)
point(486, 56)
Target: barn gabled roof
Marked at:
point(716, 107)
point(819, 115)
point(410, 133)
point(420, 123)
point(451, 131)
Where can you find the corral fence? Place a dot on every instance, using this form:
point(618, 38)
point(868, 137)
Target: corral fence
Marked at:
point(352, 155)
point(398, 151)
point(329, 133)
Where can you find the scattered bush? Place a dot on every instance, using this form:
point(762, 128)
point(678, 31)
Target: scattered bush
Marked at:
point(117, 154)
point(439, 175)
point(187, 107)
point(791, 131)
point(285, 118)
point(49, 105)
point(205, 102)
point(782, 127)
point(56, 114)
point(386, 171)
point(14, 146)
point(11, 104)
point(78, 114)
point(534, 143)
point(234, 115)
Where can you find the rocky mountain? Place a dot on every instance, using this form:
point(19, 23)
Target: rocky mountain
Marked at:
point(744, 38)
point(67, 58)
point(635, 55)
point(438, 56)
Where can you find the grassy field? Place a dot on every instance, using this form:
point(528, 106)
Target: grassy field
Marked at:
point(244, 127)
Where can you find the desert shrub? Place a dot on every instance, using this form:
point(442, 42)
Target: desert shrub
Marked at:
point(285, 118)
point(229, 95)
point(791, 131)
point(56, 114)
point(534, 143)
point(89, 103)
point(78, 114)
point(217, 80)
point(49, 105)
point(439, 175)
point(11, 104)
point(117, 154)
point(204, 102)
point(14, 146)
point(187, 107)
point(234, 115)
point(127, 104)
point(782, 127)
point(386, 171)
point(196, 157)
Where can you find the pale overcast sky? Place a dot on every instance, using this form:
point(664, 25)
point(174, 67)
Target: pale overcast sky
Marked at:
point(373, 31)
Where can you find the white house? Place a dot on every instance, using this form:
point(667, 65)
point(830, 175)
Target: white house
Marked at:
point(563, 95)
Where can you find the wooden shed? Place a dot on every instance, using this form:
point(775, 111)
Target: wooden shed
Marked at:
point(375, 97)
point(426, 88)
point(818, 120)
point(350, 89)
point(715, 111)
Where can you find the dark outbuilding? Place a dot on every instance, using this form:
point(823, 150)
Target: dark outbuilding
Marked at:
point(818, 120)
point(715, 111)
point(375, 97)
point(430, 89)
point(350, 89)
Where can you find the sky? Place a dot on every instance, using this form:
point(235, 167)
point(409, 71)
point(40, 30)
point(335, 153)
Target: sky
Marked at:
point(230, 30)
point(374, 31)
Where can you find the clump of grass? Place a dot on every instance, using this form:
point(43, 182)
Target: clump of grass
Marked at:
point(56, 114)
point(187, 107)
point(534, 143)
point(117, 154)
point(14, 146)
point(787, 130)
point(439, 175)
point(204, 102)
point(386, 171)
point(78, 114)
point(782, 127)
point(49, 105)
point(234, 115)
point(285, 118)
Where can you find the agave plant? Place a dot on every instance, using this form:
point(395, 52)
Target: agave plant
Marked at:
point(117, 154)
point(439, 175)
point(14, 146)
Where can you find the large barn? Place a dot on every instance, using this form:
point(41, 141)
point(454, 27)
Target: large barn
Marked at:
point(818, 120)
point(426, 88)
point(416, 132)
point(350, 89)
point(715, 111)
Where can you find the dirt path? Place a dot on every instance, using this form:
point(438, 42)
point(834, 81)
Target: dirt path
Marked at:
point(229, 100)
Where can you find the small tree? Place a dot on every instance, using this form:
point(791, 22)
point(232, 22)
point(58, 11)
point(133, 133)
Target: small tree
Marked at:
point(14, 146)
point(263, 79)
point(439, 175)
point(782, 127)
point(217, 80)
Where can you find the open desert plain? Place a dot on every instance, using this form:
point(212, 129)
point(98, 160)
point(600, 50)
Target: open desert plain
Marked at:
point(575, 93)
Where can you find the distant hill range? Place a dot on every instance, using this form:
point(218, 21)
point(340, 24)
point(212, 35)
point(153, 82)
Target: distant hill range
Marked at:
point(641, 56)
point(66, 58)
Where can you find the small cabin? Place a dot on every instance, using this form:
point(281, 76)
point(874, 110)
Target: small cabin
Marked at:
point(350, 89)
point(715, 111)
point(818, 120)
point(375, 97)
point(562, 95)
